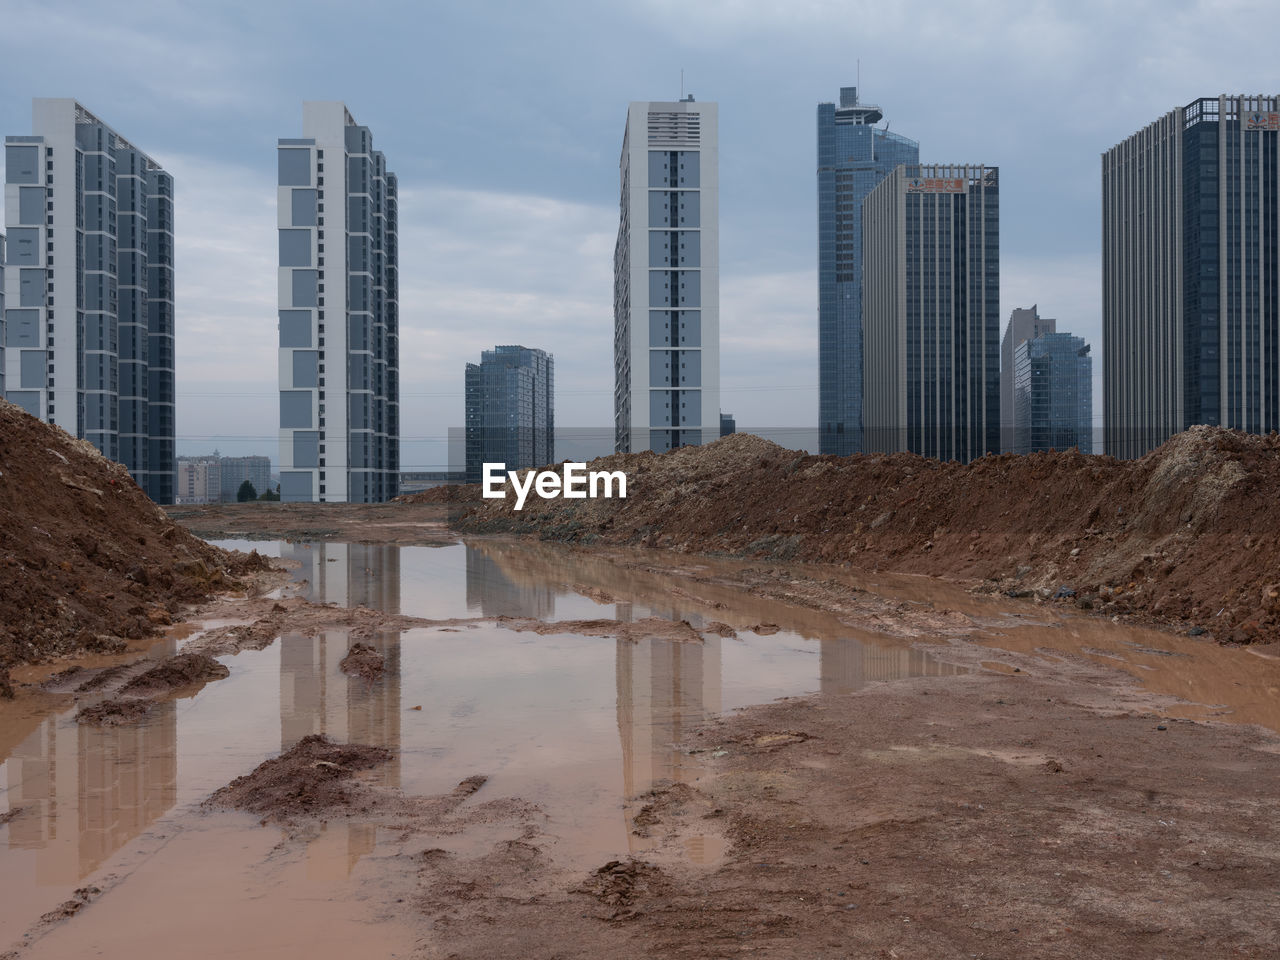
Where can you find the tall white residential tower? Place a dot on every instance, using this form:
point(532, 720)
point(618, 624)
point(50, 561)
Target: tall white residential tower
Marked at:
point(89, 320)
point(666, 279)
point(339, 313)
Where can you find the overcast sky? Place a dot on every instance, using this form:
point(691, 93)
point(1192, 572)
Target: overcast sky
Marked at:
point(504, 123)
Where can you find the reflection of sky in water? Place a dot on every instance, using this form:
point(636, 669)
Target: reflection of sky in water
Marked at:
point(576, 724)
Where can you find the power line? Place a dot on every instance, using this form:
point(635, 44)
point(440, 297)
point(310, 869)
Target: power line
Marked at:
point(559, 393)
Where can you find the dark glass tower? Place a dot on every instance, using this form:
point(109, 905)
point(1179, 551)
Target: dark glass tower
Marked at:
point(1053, 394)
point(510, 398)
point(853, 157)
point(930, 304)
point(1190, 257)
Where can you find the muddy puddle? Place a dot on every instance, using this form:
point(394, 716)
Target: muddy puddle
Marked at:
point(581, 726)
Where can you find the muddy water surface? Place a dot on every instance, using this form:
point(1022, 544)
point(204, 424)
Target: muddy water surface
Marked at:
point(581, 726)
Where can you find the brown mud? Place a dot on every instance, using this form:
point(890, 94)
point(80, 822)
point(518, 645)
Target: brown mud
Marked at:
point(88, 561)
point(989, 815)
point(1177, 537)
point(1045, 805)
point(133, 687)
point(315, 777)
point(349, 522)
point(175, 673)
point(362, 660)
point(976, 816)
point(114, 713)
point(1075, 793)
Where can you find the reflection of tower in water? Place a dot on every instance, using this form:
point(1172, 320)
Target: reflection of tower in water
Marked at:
point(498, 594)
point(849, 665)
point(86, 791)
point(664, 688)
point(315, 695)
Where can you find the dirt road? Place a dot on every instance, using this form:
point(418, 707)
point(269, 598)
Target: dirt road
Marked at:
point(1031, 801)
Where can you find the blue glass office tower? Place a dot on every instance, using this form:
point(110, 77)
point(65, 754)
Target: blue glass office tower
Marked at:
point(853, 157)
point(1053, 394)
point(510, 402)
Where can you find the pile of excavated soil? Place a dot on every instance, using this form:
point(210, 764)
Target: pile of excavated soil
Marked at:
point(134, 687)
point(86, 559)
point(176, 672)
point(363, 660)
point(315, 776)
point(1186, 534)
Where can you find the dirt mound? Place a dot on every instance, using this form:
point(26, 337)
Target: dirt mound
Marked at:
point(445, 493)
point(1184, 534)
point(313, 777)
point(174, 673)
point(364, 661)
point(87, 558)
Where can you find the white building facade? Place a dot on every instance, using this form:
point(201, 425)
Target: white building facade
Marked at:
point(339, 313)
point(666, 302)
point(89, 322)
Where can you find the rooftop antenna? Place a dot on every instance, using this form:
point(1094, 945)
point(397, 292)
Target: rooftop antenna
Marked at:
point(859, 87)
point(682, 83)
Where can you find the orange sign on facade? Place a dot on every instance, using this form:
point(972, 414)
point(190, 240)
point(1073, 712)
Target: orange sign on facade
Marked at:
point(1262, 121)
point(935, 185)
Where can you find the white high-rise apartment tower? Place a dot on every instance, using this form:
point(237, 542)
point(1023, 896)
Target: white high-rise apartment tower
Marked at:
point(339, 315)
point(666, 279)
point(89, 319)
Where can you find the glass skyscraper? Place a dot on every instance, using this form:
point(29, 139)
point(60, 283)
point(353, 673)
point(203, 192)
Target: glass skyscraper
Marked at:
point(2, 242)
point(853, 157)
point(89, 325)
point(931, 300)
point(1053, 394)
point(1024, 324)
point(339, 313)
point(1190, 256)
point(510, 400)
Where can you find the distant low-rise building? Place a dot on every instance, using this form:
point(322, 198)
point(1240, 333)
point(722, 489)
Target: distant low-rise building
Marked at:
point(236, 470)
point(728, 426)
point(415, 481)
point(216, 479)
point(199, 480)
